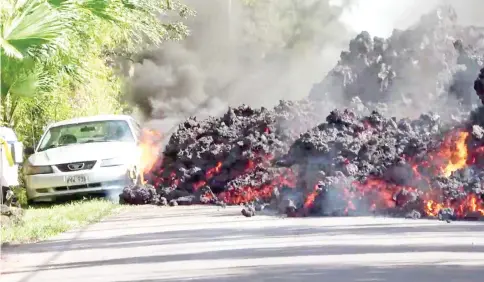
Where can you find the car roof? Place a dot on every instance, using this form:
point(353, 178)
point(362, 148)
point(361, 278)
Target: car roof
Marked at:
point(92, 119)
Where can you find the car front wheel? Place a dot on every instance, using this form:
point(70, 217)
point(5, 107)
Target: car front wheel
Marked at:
point(30, 202)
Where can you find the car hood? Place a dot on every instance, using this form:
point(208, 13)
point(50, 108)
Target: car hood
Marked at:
point(84, 152)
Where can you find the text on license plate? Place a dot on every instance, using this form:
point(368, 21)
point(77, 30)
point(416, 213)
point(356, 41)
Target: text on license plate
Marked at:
point(75, 180)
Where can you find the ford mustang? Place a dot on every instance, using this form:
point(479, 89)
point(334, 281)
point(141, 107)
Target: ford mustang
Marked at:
point(83, 156)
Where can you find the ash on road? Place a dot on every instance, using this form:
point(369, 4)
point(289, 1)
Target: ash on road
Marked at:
point(215, 244)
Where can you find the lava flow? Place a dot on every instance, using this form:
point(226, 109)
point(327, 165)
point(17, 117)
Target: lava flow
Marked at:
point(379, 195)
point(413, 181)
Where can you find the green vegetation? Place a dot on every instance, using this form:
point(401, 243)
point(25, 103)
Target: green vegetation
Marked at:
point(67, 58)
point(21, 195)
point(43, 222)
point(62, 58)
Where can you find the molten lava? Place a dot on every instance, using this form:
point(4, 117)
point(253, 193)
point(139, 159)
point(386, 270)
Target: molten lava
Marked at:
point(373, 194)
point(244, 194)
point(379, 194)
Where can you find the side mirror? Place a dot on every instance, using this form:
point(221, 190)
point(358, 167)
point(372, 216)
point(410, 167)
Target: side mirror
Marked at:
point(29, 151)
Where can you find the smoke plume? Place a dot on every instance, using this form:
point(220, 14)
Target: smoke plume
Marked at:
point(259, 52)
point(254, 53)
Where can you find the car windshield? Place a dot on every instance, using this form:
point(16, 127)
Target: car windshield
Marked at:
point(88, 132)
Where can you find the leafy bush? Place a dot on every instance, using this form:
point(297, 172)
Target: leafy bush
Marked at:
point(58, 56)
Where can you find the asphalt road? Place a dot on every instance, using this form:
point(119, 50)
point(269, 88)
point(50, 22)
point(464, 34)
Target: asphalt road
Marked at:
point(215, 244)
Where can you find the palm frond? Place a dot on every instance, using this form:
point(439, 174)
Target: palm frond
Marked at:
point(26, 86)
point(31, 24)
point(10, 50)
point(102, 9)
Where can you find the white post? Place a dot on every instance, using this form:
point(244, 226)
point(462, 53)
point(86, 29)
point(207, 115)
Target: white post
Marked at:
point(1, 174)
point(1, 159)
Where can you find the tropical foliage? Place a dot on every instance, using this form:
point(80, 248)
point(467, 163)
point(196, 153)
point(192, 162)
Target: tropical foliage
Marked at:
point(59, 57)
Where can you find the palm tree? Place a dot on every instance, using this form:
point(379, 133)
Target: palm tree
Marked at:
point(24, 26)
point(41, 40)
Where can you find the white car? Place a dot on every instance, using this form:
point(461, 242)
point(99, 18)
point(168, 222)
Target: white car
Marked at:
point(83, 156)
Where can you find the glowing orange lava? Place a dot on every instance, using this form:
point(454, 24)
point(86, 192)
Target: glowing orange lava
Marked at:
point(379, 194)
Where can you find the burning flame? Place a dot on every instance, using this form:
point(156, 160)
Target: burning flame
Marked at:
point(308, 203)
point(454, 151)
point(150, 145)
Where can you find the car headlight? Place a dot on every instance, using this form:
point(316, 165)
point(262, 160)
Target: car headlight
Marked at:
point(113, 162)
point(32, 170)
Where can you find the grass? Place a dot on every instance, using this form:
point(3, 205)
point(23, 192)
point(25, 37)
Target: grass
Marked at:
point(21, 195)
point(40, 223)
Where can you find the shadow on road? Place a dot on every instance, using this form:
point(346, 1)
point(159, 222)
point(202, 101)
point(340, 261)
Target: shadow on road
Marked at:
point(256, 253)
point(414, 273)
point(217, 234)
point(267, 249)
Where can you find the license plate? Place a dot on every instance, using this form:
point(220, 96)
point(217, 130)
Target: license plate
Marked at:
point(75, 180)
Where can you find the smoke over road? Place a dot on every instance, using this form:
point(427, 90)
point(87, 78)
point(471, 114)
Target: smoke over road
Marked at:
point(254, 54)
point(263, 52)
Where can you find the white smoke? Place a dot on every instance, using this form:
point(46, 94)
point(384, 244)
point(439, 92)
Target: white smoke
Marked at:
point(380, 17)
point(254, 54)
point(260, 54)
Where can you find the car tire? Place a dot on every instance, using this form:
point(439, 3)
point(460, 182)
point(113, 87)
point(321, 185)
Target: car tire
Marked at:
point(30, 202)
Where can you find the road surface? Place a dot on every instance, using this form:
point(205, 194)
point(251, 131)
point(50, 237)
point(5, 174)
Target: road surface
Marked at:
point(214, 244)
